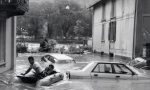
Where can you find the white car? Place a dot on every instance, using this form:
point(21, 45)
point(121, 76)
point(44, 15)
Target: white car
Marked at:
point(102, 70)
point(59, 58)
point(61, 62)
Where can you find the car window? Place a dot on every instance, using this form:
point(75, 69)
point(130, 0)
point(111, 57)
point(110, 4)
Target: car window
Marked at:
point(97, 69)
point(103, 68)
point(50, 58)
point(121, 69)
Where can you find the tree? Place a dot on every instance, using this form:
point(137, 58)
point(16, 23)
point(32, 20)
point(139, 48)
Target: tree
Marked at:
point(53, 20)
point(78, 29)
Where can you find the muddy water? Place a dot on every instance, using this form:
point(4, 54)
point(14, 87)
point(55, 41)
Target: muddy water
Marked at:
point(102, 85)
point(77, 84)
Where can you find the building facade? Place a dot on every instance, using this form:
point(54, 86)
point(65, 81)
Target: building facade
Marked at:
point(121, 27)
point(9, 9)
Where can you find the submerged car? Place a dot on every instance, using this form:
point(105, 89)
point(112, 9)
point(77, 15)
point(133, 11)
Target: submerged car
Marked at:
point(137, 62)
point(61, 62)
point(109, 70)
point(59, 58)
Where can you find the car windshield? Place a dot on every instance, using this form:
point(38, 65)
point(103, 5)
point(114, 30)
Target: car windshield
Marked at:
point(80, 65)
point(61, 56)
point(87, 66)
point(65, 61)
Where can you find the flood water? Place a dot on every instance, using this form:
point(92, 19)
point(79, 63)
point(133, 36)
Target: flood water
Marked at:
point(76, 84)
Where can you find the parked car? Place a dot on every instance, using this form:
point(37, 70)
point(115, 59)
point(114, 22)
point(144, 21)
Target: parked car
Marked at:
point(137, 62)
point(62, 62)
point(59, 58)
point(109, 70)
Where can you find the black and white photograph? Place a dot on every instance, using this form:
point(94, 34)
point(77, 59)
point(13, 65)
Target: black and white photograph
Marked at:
point(74, 44)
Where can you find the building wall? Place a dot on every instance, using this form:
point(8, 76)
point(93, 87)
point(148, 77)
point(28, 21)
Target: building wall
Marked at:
point(125, 27)
point(10, 47)
point(97, 28)
point(143, 27)
point(125, 11)
point(9, 9)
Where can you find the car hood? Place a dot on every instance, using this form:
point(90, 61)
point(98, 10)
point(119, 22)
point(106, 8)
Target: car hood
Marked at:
point(61, 57)
point(69, 66)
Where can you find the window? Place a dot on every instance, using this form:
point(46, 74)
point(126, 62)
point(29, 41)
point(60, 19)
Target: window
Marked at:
point(103, 20)
point(112, 31)
point(121, 69)
point(2, 41)
point(103, 11)
point(103, 68)
point(123, 8)
point(113, 9)
point(103, 33)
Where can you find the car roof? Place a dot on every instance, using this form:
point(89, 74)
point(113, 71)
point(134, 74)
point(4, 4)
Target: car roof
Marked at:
point(109, 62)
point(60, 56)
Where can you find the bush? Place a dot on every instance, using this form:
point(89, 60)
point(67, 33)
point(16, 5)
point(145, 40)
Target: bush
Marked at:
point(75, 50)
point(21, 48)
point(86, 48)
point(47, 45)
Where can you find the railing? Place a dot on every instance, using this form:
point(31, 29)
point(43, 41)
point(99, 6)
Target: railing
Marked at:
point(16, 7)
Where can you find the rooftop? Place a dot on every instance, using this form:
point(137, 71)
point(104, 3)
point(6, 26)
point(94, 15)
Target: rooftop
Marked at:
point(94, 2)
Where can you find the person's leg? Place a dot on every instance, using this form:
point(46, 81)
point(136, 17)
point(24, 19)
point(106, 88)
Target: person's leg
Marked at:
point(16, 80)
point(31, 74)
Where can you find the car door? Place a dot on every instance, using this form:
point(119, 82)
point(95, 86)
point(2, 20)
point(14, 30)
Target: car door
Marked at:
point(121, 71)
point(111, 71)
point(102, 70)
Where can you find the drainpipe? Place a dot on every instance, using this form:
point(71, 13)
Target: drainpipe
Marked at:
point(135, 27)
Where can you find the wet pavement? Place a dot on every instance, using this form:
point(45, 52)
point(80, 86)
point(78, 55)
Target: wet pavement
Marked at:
point(72, 84)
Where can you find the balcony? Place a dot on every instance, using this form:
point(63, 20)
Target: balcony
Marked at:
point(14, 7)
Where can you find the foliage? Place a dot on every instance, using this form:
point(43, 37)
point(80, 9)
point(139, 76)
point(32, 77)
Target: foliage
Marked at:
point(47, 45)
point(21, 48)
point(53, 20)
point(86, 48)
point(78, 29)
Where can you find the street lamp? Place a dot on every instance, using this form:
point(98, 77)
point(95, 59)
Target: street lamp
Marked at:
point(67, 7)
